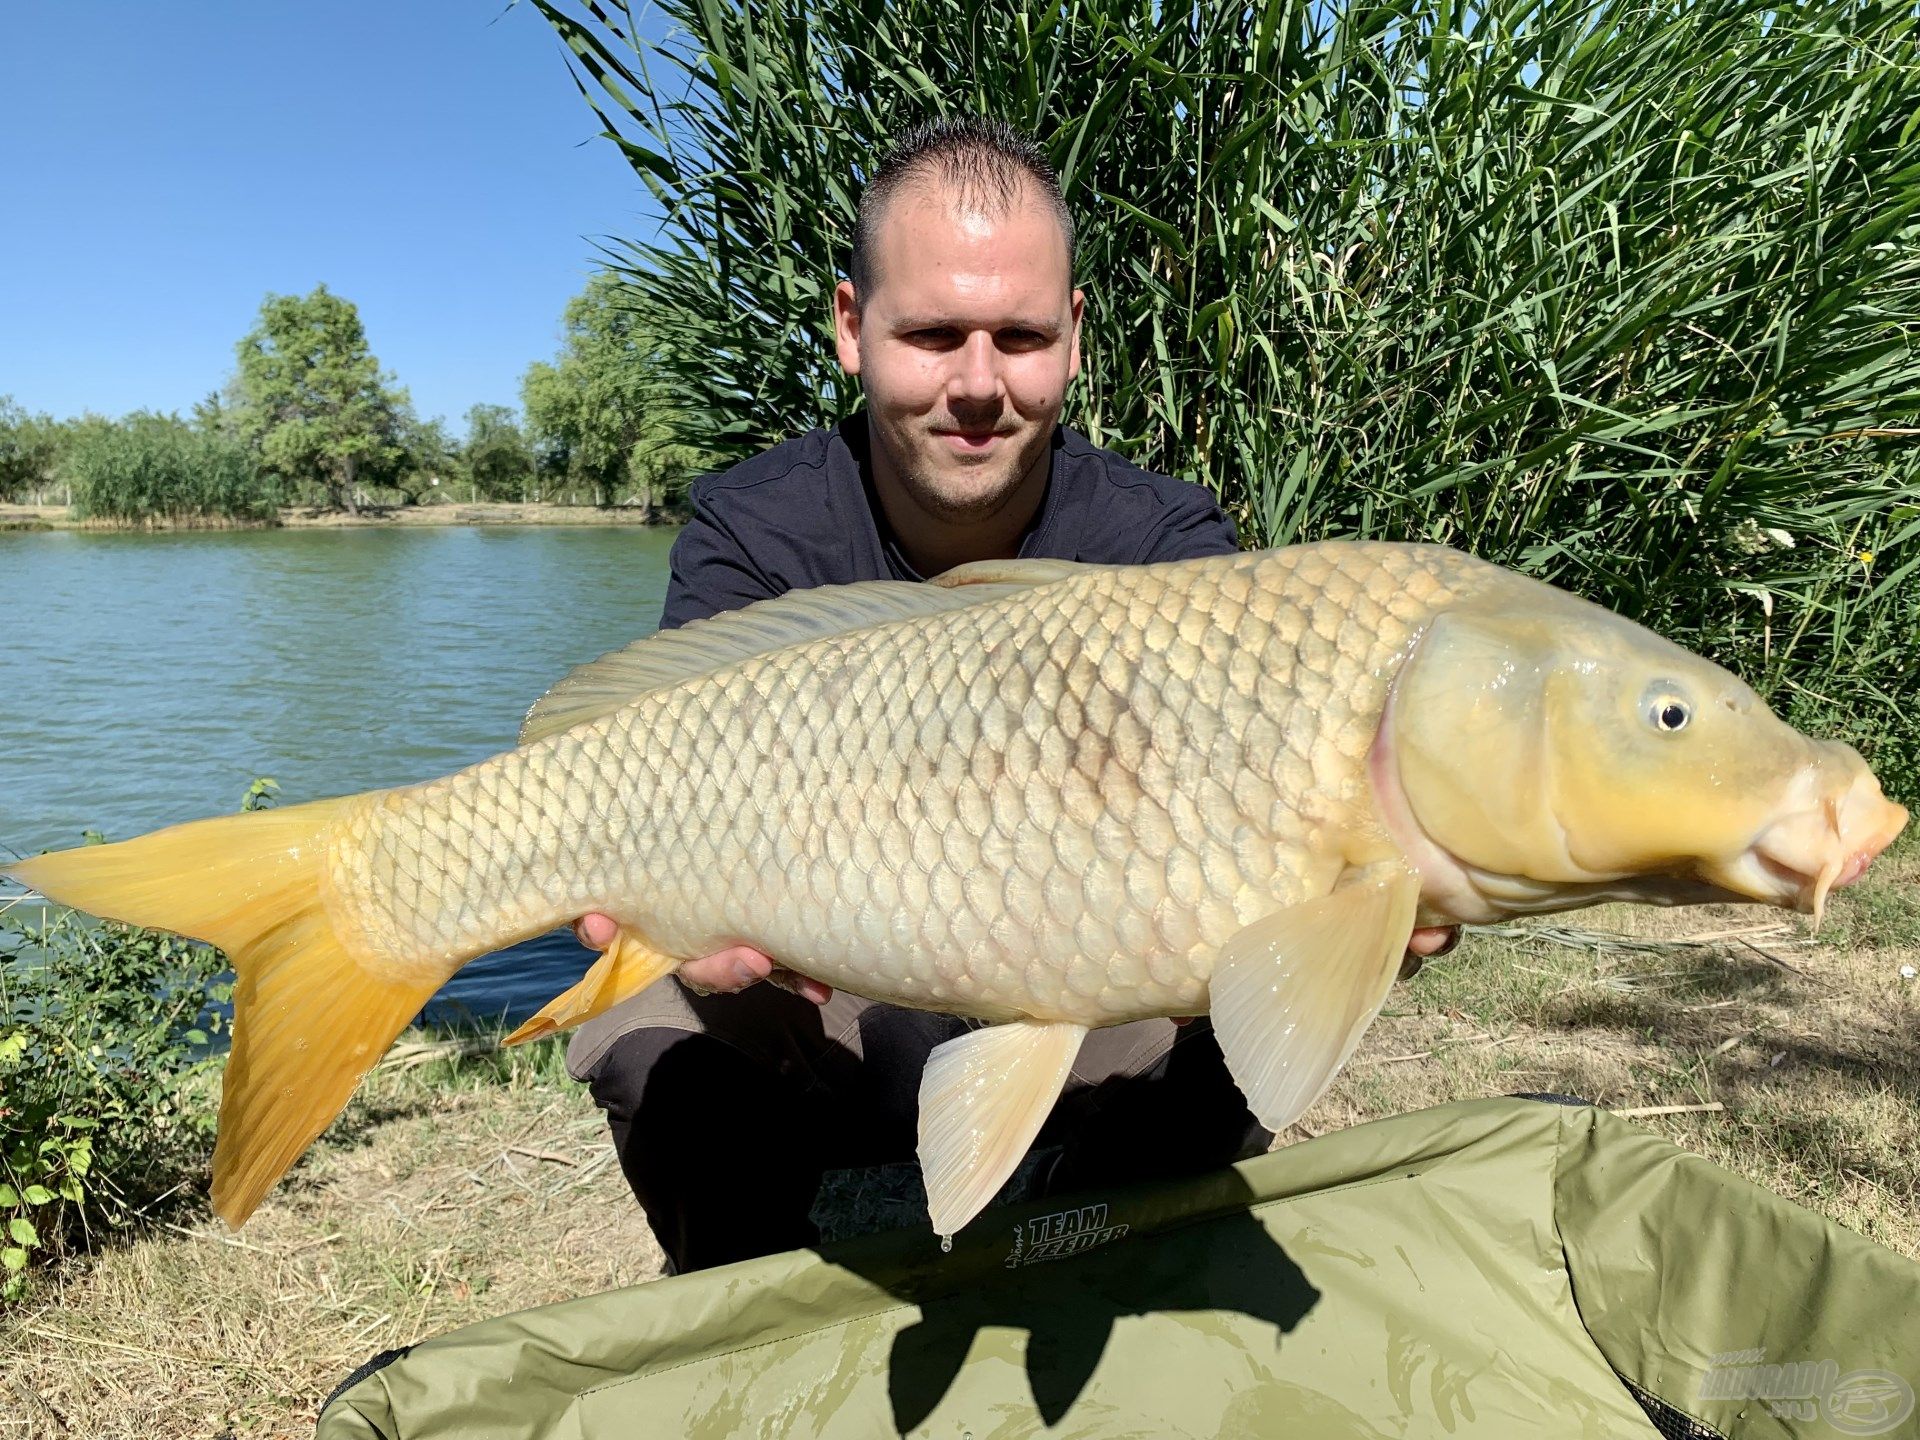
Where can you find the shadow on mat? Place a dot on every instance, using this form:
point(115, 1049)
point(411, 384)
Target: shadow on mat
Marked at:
point(1066, 1284)
point(1049, 1267)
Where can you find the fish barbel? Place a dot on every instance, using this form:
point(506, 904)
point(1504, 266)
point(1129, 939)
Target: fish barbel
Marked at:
point(1046, 795)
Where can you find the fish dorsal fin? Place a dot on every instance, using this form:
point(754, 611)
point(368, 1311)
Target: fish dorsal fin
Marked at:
point(702, 646)
point(1023, 573)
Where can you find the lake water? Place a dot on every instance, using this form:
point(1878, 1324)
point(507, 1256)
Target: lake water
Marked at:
point(147, 679)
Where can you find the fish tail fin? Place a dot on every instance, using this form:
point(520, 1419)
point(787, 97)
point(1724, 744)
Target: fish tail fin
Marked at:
point(309, 1018)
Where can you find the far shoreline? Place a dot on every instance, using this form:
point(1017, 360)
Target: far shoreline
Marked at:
point(304, 517)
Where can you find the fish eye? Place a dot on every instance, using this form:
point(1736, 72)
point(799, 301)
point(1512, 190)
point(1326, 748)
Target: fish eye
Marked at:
point(1668, 712)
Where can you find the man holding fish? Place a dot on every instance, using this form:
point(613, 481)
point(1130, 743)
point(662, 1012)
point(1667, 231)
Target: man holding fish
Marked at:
point(961, 320)
point(1053, 793)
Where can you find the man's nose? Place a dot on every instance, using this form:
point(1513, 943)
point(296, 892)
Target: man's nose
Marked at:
point(976, 377)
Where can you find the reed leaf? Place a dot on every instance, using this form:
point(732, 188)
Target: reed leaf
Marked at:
point(1625, 295)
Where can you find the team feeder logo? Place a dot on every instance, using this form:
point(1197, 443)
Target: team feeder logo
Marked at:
point(1066, 1232)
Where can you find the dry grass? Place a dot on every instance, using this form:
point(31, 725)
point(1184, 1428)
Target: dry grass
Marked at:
point(460, 1187)
point(1811, 1050)
point(59, 517)
point(449, 1192)
point(484, 512)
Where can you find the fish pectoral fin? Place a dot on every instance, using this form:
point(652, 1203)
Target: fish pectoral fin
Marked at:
point(626, 967)
point(983, 1098)
point(1293, 993)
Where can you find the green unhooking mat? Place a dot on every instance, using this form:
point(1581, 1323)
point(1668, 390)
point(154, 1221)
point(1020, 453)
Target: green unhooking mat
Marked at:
point(1500, 1268)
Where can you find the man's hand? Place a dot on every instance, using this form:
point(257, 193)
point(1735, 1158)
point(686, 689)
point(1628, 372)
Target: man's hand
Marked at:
point(1424, 944)
point(739, 966)
point(734, 968)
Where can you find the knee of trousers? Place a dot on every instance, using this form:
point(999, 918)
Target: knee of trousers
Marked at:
point(619, 1082)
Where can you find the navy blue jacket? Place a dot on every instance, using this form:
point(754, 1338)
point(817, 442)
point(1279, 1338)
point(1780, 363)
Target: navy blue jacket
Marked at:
point(804, 513)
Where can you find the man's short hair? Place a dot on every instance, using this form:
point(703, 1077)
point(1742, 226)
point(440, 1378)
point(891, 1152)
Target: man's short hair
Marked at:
point(987, 161)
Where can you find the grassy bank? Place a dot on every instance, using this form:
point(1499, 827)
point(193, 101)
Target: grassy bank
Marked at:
point(464, 1182)
point(455, 1187)
point(299, 517)
point(1791, 1060)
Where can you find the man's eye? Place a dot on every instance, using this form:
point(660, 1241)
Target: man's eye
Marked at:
point(932, 337)
point(1022, 340)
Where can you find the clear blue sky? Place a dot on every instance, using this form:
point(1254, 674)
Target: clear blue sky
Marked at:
point(167, 165)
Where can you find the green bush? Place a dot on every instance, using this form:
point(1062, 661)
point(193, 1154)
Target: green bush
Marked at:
point(1625, 295)
point(601, 417)
point(103, 1031)
point(29, 446)
point(497, 456)
point(151, 468)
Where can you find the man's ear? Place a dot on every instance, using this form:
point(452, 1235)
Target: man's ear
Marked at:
point(1073, 357)
point(846, 327)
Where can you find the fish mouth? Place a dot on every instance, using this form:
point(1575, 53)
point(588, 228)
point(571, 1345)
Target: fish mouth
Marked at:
point(1802, 857)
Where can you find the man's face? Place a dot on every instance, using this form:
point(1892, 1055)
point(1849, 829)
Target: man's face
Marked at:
point(964, 345)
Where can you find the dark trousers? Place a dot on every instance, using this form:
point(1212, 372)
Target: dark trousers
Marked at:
point(725, 1151)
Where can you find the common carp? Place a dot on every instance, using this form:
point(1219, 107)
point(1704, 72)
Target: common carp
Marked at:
point(1045, 795)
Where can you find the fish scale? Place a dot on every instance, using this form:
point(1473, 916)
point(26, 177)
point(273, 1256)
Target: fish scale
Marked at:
point(1061, 805)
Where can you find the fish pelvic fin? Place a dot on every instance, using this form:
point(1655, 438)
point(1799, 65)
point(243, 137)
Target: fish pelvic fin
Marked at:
point(625, 968)
point(1293, 993)
point(309, 1018)
point(983, 1098)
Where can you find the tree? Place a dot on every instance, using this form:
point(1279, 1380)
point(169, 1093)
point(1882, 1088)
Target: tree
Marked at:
point(220, 412)
point(602, 414)
point(316, 406)
point(424, 456)
point(498, 459)
point(29, 445)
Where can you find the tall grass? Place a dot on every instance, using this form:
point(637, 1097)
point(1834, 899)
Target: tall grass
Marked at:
point(1625, 295)
point(158, 470)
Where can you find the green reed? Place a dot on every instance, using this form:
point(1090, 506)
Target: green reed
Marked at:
point(1625, 295)
point(157, 469)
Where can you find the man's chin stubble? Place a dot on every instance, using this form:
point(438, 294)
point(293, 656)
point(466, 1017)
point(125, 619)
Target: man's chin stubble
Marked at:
point(972, 507)
point(978, 502)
